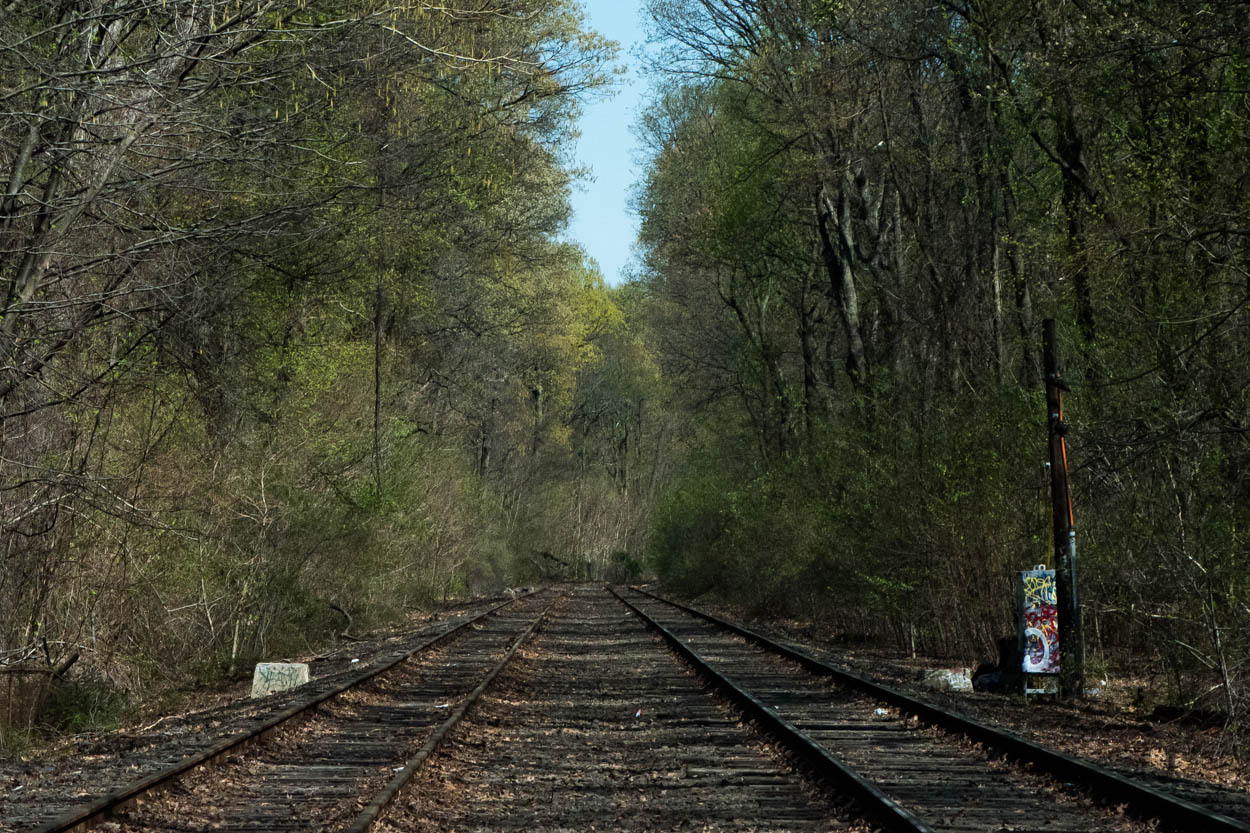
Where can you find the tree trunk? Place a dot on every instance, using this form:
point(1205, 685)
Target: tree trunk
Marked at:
point(835, 219)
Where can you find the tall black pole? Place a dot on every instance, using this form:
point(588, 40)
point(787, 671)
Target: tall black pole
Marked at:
point(1071, 646)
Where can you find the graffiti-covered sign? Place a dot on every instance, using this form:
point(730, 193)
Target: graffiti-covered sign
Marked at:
point(1039, 622)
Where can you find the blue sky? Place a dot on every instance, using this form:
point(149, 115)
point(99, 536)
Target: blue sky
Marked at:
point(601, 221)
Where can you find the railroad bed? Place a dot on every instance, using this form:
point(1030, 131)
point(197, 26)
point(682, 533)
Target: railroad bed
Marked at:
point(943, 778)
point(596, 727)
point(107, 763)
point(564, 711)
point(345, 734)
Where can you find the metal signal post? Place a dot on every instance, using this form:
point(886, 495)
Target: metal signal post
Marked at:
point(1071, 644)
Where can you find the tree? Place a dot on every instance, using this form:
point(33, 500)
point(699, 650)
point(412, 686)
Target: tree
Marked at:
point(953, 171)
point(237, 247)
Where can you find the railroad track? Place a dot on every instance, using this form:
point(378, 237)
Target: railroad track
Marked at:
point(916, 764)
point(564, 711)
point(108, 763)
point(595, 726)
point(311, 763)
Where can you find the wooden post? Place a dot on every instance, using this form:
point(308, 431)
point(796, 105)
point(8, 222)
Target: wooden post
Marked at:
point(1070, 642)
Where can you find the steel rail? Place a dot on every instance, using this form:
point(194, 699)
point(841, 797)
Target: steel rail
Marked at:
point(92, 813)
point(371, 813)
point(1141, 799)
point(886, 811)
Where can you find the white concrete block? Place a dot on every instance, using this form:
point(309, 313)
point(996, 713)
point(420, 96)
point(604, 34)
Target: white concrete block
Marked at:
point(948, 679)
point(271, 677)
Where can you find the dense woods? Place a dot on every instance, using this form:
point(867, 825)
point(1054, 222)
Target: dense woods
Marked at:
point(856, 218)
point(290, 342)
point(286, 325)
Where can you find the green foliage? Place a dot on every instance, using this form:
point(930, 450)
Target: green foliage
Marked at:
point(14, 743)
point(85, 705)
point(690, 523)
point(625, 568)
point(852, 534)
point(853, 222)
point(331, 351)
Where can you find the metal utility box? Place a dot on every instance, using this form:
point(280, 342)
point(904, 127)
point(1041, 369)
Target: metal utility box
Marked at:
point(1039, 627)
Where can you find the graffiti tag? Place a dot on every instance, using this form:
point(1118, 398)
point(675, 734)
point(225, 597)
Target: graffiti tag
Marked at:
point(1040, 615)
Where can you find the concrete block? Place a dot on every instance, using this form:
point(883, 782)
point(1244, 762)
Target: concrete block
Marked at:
point(948, 679)
point(271, 677)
